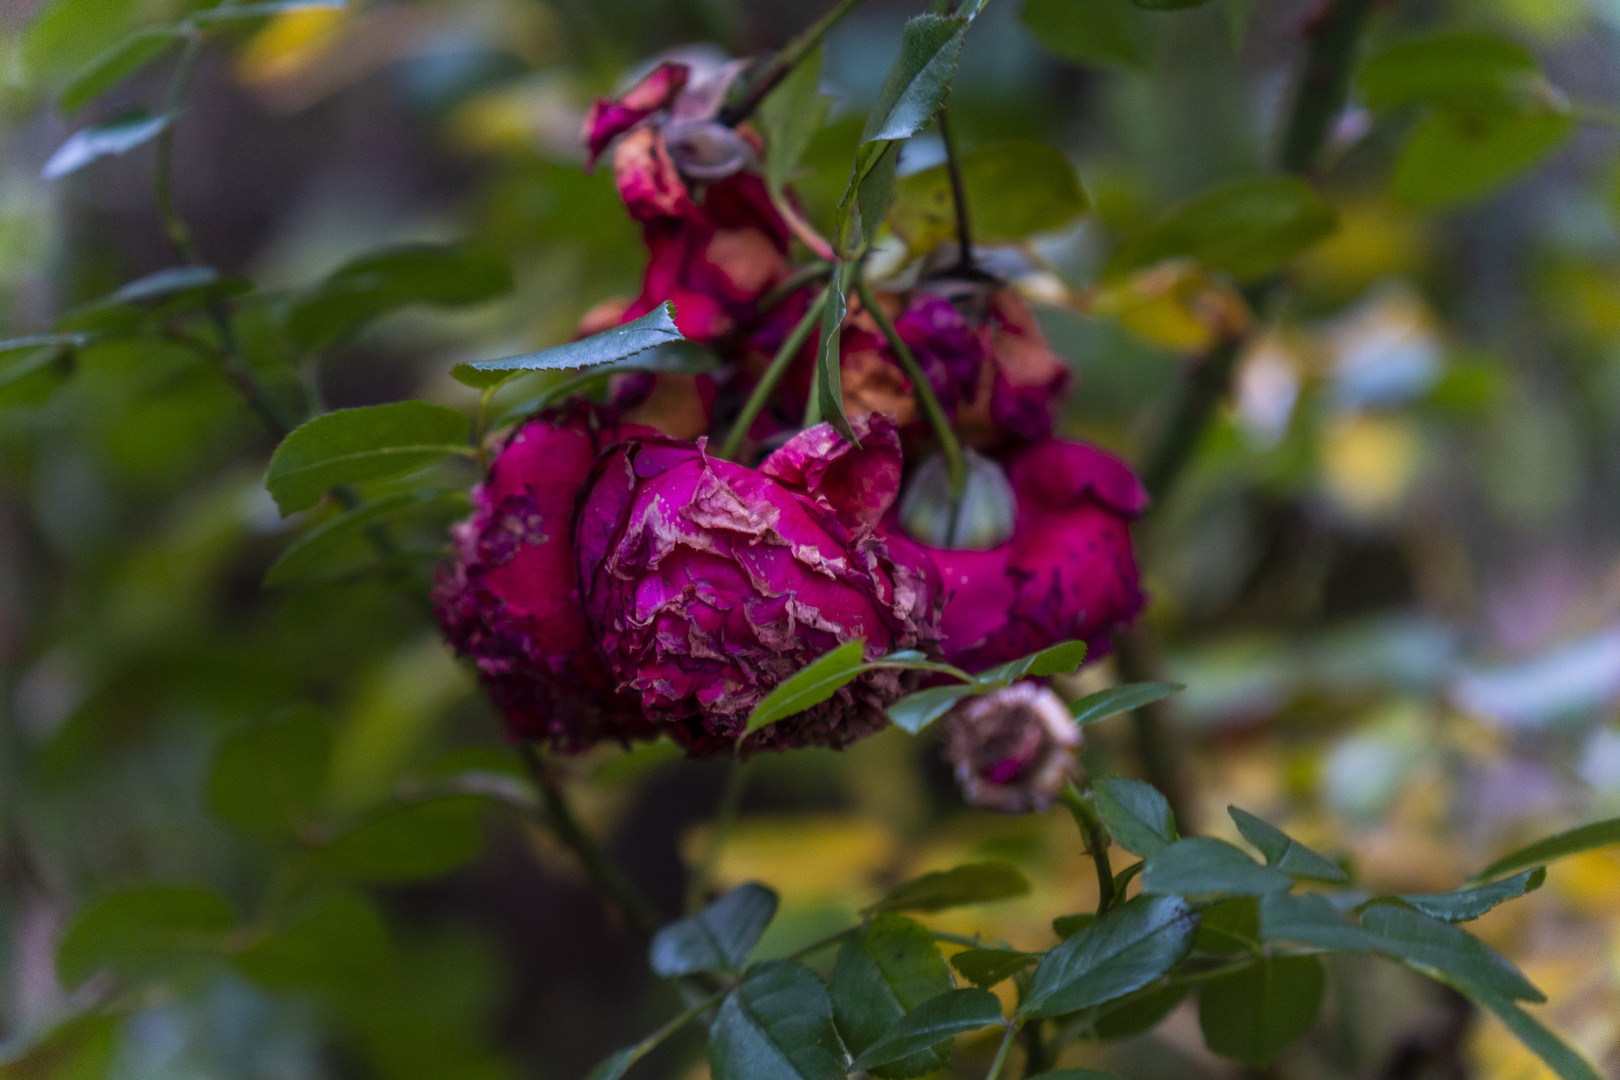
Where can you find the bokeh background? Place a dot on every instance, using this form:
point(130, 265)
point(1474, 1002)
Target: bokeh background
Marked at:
point(1390, 577)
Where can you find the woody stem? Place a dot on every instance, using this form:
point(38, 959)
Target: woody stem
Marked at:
point(1096, 835)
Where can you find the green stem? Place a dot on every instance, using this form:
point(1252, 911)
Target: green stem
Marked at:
point(174, 226)
point(953, 169)
point(949, 446)
point(1096, 835)
point(650, 1043)
point(1036, 1059)
point(724, 814)
point(804, 275)
point(773, 375)
point(822, 943)
point(786, 59)
point(1324, 86)
point(1002, 1050)
point(560, 817)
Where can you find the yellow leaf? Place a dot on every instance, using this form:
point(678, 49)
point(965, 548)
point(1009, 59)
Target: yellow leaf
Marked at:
point(289, 44)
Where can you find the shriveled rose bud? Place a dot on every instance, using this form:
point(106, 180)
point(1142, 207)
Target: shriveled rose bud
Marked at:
point(982, 519)
point(1068, 571)
point(510, 598)
point(706, 583)
point(609, 118)
point(1012, 750)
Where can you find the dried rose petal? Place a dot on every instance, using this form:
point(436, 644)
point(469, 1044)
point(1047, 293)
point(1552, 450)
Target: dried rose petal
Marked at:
point(708, 583)
point(1012, 750)
point(510, 598)
point(608, 118)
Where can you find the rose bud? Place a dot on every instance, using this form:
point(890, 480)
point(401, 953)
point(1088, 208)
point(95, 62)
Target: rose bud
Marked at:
point(510, 598)
point(1012, 750)
point(1068, 571)
point(706, 583)
point(982, 519)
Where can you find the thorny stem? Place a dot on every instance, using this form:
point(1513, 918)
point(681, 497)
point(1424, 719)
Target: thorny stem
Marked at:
point(560, 818)
point(955, 463)
point(785, 61)
point(773, 375)
point(1091, 827)
point(725, 813)
point(953, 168)
point(1002, 1050)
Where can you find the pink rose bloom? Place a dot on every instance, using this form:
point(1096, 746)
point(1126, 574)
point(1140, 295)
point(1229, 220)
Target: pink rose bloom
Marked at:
point(706, 583)
point(608, 118)
point(510, 599)
point(1068, 572)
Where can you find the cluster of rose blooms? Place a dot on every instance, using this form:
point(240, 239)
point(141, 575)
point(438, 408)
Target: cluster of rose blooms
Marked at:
point(618, 580)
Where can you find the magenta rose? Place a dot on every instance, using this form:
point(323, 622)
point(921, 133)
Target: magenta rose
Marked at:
point(1068, 571)
point(510, 598)
point(707, 583)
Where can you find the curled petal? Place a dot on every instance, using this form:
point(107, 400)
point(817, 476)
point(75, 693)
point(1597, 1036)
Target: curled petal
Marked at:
point(608, 118)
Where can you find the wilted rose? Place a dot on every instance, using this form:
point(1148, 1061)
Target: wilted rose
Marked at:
point(1068, 572)
point(706, 583)
point(510, 598)
point(1012, 750)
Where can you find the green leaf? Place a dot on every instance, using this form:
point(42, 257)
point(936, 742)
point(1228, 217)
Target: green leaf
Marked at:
point(448, 275)
point(1120, 699)
point(1231, 926)
point(919, 79)
point(790, 116)
point(614, 1065)
point(354, 445)
point(1066, 926)
point(176, 282)
point(829, 388)
point(1284, 852)
point(1137, 1013)
point(1559, 1056)
point(1250, 228)
point(1124, 950)
point(810, 686)
point(267, 779)
point(32, 379)
point(116, 63)
point(1439, 947)
point(1256, 1013)
point(1312, 919)
point(612, 346)
point(1114, 33)
point(1137, 816)
point(1468, 904)
point(916, 711)
point(987, 967)
point(407, 843)
point(263, 10)
point(336, 945)
point(118, 136)
point(874, 192)
point(1201, 865)
point(83, 1047)
point(885, 970)
point(1064, 658)
point(1455, 158)
point(944, 1017)
point(148, 932)
point(718, 938)
point(1571, 842)
point(65, 35)
point(311, 552)
point(1463, 70)
point(1015, 188)
point(776, 1025)
point(972, 883)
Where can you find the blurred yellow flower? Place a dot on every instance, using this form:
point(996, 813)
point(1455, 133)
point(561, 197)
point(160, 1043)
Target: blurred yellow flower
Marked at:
point(290, 43)
point(1369, 464)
